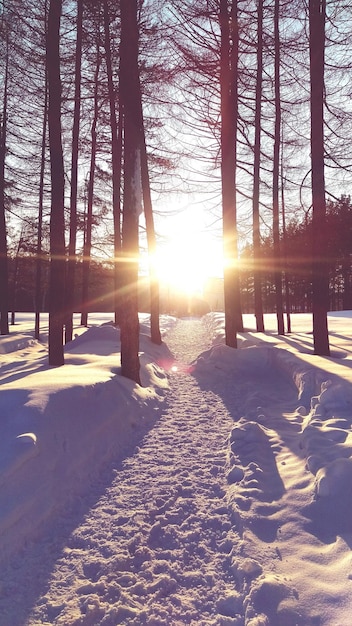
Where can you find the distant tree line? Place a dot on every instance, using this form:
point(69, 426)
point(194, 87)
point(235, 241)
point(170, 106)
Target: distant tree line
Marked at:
point(295, 265)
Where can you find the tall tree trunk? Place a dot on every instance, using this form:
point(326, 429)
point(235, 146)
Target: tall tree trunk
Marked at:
point(228, 169)
point(71, 265)
point(284, 245)
point(57, 222)
point(147, 202)
point(15, 279)
point(39, 260)
point(150, 228)
point(276, 176)
point(151, 239)
point(116, 158)
point(90, 196)
point(4, 278)
point(320, 279)
point(132, 197)
point(234, 35)
point(258, 303)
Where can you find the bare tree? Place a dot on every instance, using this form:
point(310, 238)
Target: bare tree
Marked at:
point(71, 265)
point(4, 287)
point(276, 173)
point(116, 161)
point(228, 167)
point(132, 192)
point(39, 260)
point(57, 222)
point(258, 304)
point(320, 282)
point(90, 195)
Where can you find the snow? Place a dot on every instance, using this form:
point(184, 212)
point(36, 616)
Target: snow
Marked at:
point(218, 493)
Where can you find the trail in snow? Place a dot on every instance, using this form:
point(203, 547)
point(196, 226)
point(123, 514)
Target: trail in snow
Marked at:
point(235, 509)
point(155, 548)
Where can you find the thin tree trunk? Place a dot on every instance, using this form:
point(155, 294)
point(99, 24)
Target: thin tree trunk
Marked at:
point(320, 280)
point(71, 265)
point(228, 189)
point(89, 217)
point(15, 279)
point(276, 175)
point(147, 202)
point(39, 260)
point(150, 228)
point(116, 158)
point(284, 241)
point(151, 239)
point(4, 277)
point(132, 197)
point(234, 106)
point(258, 303)
point(57, 222)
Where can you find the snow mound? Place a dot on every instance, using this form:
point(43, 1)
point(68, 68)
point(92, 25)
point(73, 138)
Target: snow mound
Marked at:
point(12, 343)
point(73, 421)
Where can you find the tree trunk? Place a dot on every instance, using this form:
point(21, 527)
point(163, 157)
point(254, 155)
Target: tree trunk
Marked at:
point(15, 279)
point(132, 197)
point(151, 239)
point(258, 304)
point(228, 92)
point(71, 265)
point(234, 106)
point(284, 242)
point(57, 222)
point(4, 278)
point(39, 260)
point(90, 193)
point(320, 279)
point(116, 158)
point(276, 176)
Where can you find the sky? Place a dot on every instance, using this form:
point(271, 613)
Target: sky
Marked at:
point(217, 493)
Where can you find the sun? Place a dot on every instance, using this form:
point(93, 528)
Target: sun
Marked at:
point(184, 265)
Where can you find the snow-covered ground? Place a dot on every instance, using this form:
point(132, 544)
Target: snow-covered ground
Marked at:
point(219, 493)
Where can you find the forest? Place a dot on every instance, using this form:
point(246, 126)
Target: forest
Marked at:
point(111, 111)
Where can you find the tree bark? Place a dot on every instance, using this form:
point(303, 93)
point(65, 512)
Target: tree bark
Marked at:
point(228, 89)
point(132, 196)
point(276, 177)
point(151, 240)
point(90, 196)
point(57, 222)
point(320, 279)
point(71, 264)
point(284, 246)
point(116, 158)
point(39, 260)
point(4, 277)
point(258, 304)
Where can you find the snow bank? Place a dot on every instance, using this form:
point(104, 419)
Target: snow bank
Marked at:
point(323, 400)
point(289, 478)
point(62, 426)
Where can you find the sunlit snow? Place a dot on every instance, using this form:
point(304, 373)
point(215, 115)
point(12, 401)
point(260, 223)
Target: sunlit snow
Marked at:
point(218, 493)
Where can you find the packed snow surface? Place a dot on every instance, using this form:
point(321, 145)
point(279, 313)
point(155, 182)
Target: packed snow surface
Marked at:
point(218, 493)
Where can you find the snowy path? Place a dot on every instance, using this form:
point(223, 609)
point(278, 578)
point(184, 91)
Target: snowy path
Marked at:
point(234, 509)
point(155, 548)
